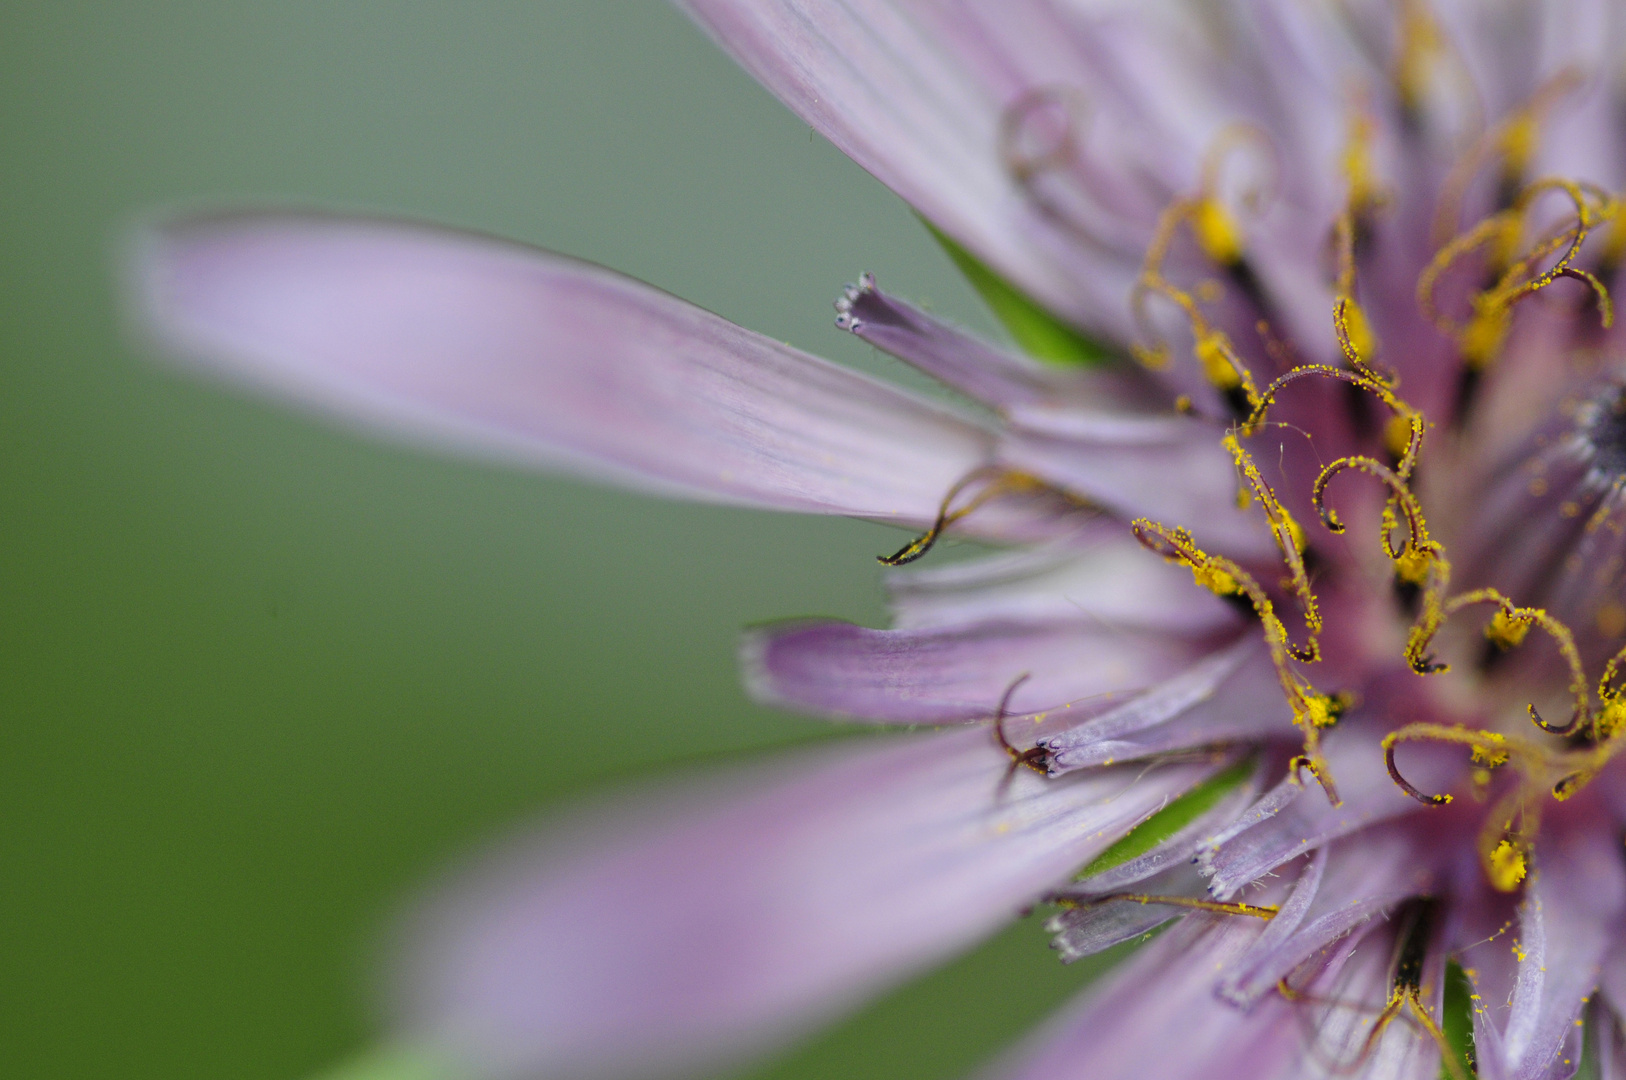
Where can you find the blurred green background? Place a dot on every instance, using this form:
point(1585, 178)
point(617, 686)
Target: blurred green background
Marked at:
point(260, 677)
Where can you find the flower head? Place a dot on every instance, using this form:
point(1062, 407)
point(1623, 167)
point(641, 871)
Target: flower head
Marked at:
point(1310, 629)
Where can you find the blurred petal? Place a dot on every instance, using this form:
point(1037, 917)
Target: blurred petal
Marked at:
point(521, 354)
point(890, 93)
point(1360, 878)
point(949, 675)
point(666, 934)
point(1157, 1016)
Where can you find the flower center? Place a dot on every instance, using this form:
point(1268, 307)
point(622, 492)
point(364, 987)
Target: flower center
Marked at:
point(1519, 253)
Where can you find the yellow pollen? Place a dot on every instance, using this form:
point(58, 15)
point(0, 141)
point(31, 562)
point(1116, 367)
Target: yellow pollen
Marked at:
point(1322, 710)
point(1482, 338)
point(1397, 435)
point(1491, 752)
point(1215, 580)
point(1211, 353)
point(1506, 866)
point(1610, 719)
point(1412, 566)
point(1216, 231)
point(1361, 338)
point(1507, 631)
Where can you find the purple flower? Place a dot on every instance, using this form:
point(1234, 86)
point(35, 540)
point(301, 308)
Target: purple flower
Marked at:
point(1308, 629)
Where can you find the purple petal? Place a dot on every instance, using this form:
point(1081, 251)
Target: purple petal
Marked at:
point(529, 356)
point(997, 377)
point(667, 934)
point(1088, 929)
point(1157, 1016)
point(1567, 923)
point(892, 94)
point(1292, 820)
point(1232, 693)
point(1169, 469)
point(1103, 576)
point(951, 675)
point(1180, 846)
point(1362, 876)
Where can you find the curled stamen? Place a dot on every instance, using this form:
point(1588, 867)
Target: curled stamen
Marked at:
point(1508, 629)
point(1481, 336)
point(1034, 757)
point(1577, 718)
point(1039, 131)
point(1000, 481)
point(1312, 711)
point(1490, 749)
point(1211, 347)
point(1363, 379)
point(1400, 496)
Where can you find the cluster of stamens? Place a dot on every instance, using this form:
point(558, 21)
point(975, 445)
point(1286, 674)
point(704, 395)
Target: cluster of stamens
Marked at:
point(1419, 561)
point(1420, 567)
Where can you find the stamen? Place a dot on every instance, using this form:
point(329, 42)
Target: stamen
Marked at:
point(1041, 134)
point(1480, 337)
point(1312, 711)
point(1289, 538)
point(1508, 629)
point(1504, 848)
point(1422, 44)
point(1218, 235)
point(1035, 757)
point(1257, 911)
point(1489, 750)
point(1000, 481)
point(1211, 347)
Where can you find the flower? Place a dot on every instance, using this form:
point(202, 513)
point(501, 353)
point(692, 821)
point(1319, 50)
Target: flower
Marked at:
point(1309, 632)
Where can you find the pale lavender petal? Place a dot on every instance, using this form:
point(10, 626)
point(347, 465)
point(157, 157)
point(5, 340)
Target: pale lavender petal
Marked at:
point(665, 934)
point(529, 356)
point(1103, 576)
point(1355, 983)
point(1170, 469)
point(995, 376)
point(888, 90)
point(955, 674)
point(1365, 876)
point(1568, 921)
point(1230, 694)
point(1294, 819)
point(1306, 889)
point(1157, 1016)
point(1181, 845)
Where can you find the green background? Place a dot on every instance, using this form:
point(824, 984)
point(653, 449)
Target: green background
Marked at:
point(260, 677)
